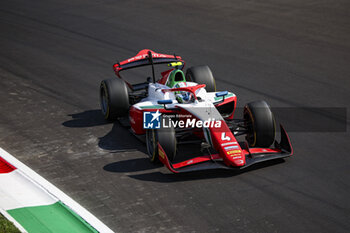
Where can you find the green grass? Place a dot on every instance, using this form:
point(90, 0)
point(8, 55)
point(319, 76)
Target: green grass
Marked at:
point(6, 226)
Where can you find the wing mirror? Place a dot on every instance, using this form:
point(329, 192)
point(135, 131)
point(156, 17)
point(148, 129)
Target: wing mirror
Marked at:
point(221, 93)
point(165, 102)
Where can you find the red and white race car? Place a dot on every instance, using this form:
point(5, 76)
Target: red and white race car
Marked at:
point(177, 111)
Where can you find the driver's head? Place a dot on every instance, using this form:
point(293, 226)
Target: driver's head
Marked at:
point(183, 96)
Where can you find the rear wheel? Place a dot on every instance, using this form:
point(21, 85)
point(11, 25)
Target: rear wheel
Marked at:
point(114, 98)
point(260, 123)
point(201, 75)
point(166, 138)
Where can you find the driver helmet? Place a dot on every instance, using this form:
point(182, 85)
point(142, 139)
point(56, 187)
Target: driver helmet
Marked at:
point(183, 97)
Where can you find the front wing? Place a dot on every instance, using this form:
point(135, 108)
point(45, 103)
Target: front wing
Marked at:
point(282, 149)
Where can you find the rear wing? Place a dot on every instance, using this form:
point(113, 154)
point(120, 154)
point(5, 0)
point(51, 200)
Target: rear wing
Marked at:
point(143, 58)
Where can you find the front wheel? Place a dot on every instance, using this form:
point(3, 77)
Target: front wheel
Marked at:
point(166, 138)
point(260, 123)
point(152, 146)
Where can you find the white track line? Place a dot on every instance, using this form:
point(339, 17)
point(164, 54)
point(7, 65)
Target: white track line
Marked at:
point(53, 190)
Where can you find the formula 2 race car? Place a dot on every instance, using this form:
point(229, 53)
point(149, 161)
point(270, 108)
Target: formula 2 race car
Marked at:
point(177, 110)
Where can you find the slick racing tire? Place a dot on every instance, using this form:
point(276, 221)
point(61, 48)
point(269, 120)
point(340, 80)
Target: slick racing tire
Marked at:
point(166, 138)
point(114, 98)
point(201, 75)
point(260, 124)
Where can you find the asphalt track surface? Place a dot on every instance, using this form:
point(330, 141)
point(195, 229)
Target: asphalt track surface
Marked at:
point(53, 55)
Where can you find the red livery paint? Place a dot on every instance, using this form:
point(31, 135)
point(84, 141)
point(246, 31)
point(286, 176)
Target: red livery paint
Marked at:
point(261, 151)
point(136, 120)
point(224, 135)
point(141, 56)
point(196, 160)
